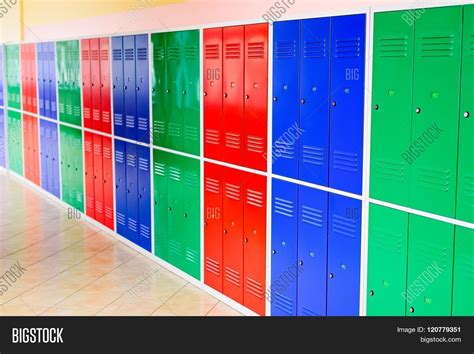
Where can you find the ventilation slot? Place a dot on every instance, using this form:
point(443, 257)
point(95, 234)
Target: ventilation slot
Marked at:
point(283, 207)
point(343, 226)
point(142, 53)
point(285, 49)
point(312, 216)
point(212, 51)
point(129, 54)
point(392, 47)
point(256, 50)
point(232, 51)
point(315, 49)
point(158, 53)
point(348, 48)
point(434, 47)
point(254, 198)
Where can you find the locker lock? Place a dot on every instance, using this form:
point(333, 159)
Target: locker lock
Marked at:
point(225, 95)
point(184, 92)
point(139, 196)
point(301, 263)
point(225, 231)
point(418, 110)
point(205, 223)
point(246, 240)
point(138, 88)
point(331, 275)
point(334, 104)
point(275, 99)
point(155, 202)
point(153, 89)
point(412, 309)
point(125, 87)
point(205, 93)
point(101, 85)
point(185, 215)
point(303, 101)
point(371, 293)
point(247, 97)
point(376, 107)
point(466, 114)
point(169, 208)
point(274, 251)
point(167, 90)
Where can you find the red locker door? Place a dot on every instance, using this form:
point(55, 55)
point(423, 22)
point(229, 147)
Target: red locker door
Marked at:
point(86, 84)
point(33, 93)
point(35, 150)
point(95, 83)
point(255, 242)
point(26, 146)
point(89, 172)
point(24, 76)
point(213, 226)
point(256, 95)
point(233, 233)
point(98, 179)
point(105, 85)
point(213, 93)
point(233, 87)
point(108, 181)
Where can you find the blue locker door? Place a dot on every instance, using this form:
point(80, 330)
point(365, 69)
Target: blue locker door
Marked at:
point(314, 93)
point(2, 89)
point(48, 156)
point(43, 152)
point(2, 134)
point(54, 151)
point(144, 197)
point(121, 187)
point(312, 251)
point(143, 103)
point(347, 103)
point(129, 75)
point(118, 86)
point(343, 256)
point(51, 79)
point(286, 41)
point(132, 193)
point(284, 248)
point(40, 61)
point(46, 80)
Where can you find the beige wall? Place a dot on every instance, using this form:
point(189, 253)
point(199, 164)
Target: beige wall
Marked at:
point(10, 21)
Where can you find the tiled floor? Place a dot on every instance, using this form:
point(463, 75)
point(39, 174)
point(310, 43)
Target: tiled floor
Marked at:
point(73, 268)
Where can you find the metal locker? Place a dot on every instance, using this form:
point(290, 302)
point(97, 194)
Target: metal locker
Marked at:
point(15, 142)
point(2, 88)
point(191, 216)
point(118, 86)
point(74, 80)
point(40, 59)
point(2, 134)
point(283, 287)
point(212, 67)
point(54, 152)
point(256, 96)
point(132, 194)
point(312, 251)
point(144, 197)
point(50, 94)
point(430, 267)
point(98, 178)
point(387, 261)
point(343, 256)
point(95, 83)
point(158, 90)
point(176, 241)
point(130, 96)
point(465, 195)
point(161, 204)
point(463, 287)
point(347, 103)
point(26, 146)
point(142, 89)
point(255, 194)
point(32, 83)
point(121, 187)
point(233, 228)
point(77, 169)
point(35, 151)
point(392, 90)
point(213, 213)
point(191, 93)
point(64, 141)
point(86, 83)
point(108, 182)
point(105, 111)
point(12, 74)
point(61, 79)
point(89, 173)
point(174, 97)
point(435, 110)
point(286, 110)
point(313, 136)
point(43, 130)
point(24, 69)
point(233, 88)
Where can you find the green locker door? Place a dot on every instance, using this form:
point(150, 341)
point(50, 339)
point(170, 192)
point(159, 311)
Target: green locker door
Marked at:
point(13, 76)
point(15, 142)
point(191, 107)
point(437, 72)
point(387, 263)
point(174, 90)
point(160, 180)
point(463, 282)
point(430, 267)
point(61, 78)
point(68, 82)
point(391, 107)
point(64, 145)
point(191, 216)
point(158, 91)
point(465, 191)
point(76, 169)
point(176, 211)
point(75, 82)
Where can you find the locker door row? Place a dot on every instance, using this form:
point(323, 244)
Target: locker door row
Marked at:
point(12, 75)
point(318, 100)
point(28, 77)
point(132, 193)
point(315, 252)
point(96, 84)
point(45, 53)
point(175, 91)
point(235, 234)
point(49, 157)
point(235, 94)
point(130, 87)
point(15, 142)
point(69, 78)
point(177, 211)
point(99, 178)
point(418, 266)
point(31, 148)
point(72, 167)
point(2, 138)
point(422, 129)
point(2, 102)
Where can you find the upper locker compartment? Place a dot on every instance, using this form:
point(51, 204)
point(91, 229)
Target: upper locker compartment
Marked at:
point(130, 96)
point(118, 86)
point(105, 84)
point(435, 110)
point(391, 107)
point(86, 83)
point(213, 72)
point(142, 89)
point(347, 102)
point(158, 90)
point(286, 51)
point(256, 96)
point(95, 83)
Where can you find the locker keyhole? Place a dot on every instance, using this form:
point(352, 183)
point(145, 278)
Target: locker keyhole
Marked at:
point(246, 240)
point(418, 110)
point(274, 251)
point(205, 223)
point(334, 103)
point(153, 90)
point(247, 97)
point(303, 101)
point(167, 90)
point(275, 99)
point(225, 95)
point(376, 107)
point(169, 208)
point(412, 309)
point(155, 202)
point(225, 231)
point(301, 263)
point(184, 92)
point(205, 93)
point(331, 275)
point(185, 215)
point(371, 293)
point(466, 114)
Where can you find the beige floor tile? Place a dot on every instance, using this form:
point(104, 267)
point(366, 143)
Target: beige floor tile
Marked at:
point(17, 307)
point(222, 309)
point(163, 311)
point(79, 311)
point(191, 301)
point(131, 305)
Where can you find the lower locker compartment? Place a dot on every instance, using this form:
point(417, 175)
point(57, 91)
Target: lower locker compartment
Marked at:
point(463, 282)
point(15, 142)
point(49, 157)
point(2, 137)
